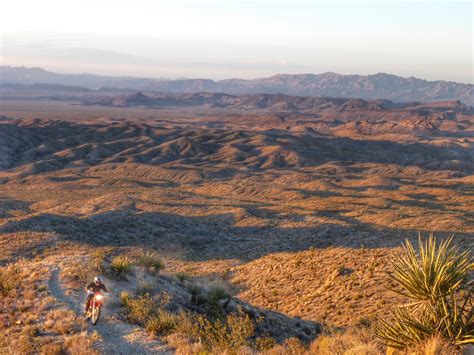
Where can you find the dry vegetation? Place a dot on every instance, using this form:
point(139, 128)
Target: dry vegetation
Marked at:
point(33, 320)
point(218, 240)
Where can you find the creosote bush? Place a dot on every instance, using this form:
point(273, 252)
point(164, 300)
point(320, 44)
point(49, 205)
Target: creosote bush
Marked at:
point(436, 279)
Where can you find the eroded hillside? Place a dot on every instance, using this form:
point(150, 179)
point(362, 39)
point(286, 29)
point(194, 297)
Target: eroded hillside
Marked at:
point(300, 222)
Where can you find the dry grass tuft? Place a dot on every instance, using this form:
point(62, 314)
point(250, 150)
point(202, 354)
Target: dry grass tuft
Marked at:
point(355, 341)
point(81, 344)
point(97, 260)
point(64, 322)
point(52, 349)
point(291, 346)
point(76, 273)
point(10, 278)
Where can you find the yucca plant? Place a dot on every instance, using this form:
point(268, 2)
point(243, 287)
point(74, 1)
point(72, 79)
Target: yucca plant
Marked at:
point(436, 279)
point(121, 265)
point(150, 261)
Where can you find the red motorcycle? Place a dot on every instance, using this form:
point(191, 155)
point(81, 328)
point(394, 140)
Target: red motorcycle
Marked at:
point(95, 305)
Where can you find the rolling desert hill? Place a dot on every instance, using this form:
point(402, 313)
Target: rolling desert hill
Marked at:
point(34, 146)
point(277, 213)
point(370, 87)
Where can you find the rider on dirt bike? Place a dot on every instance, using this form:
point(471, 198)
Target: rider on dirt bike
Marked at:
point(94, 287)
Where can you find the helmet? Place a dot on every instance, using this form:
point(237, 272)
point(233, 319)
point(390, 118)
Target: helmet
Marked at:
point(98, 280)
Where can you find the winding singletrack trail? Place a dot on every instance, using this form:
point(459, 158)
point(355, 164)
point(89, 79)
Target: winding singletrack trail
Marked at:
point(117, 337)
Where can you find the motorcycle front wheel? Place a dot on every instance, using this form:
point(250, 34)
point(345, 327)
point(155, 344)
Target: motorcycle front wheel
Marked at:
point(95, 315)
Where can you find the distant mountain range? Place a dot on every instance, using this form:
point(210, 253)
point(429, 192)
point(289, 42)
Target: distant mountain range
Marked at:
point(275, 103)
point(370, 87)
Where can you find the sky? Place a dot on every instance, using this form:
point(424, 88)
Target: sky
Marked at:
point(220, 39)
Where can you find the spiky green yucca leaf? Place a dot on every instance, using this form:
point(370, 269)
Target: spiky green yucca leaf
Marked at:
point(408, 326)
point(436, 271)
point(436, 279)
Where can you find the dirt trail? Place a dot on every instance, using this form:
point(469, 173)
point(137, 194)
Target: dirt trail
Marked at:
point(117, 337)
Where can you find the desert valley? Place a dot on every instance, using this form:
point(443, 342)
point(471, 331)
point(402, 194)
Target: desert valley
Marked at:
point(279, 212)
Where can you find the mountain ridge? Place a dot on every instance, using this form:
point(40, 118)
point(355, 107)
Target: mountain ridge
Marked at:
point(278, 102)
point(329, 84)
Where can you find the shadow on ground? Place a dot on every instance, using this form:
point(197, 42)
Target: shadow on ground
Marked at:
point(210, 237)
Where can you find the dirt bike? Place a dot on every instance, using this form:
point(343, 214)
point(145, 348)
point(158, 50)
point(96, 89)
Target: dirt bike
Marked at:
point(95, 304)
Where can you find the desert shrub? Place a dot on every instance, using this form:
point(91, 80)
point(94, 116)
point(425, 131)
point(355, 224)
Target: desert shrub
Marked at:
point(52, 349)
point(81, 344)
point(224, 336)
point(64, 321)
point(228, 334)
point(195, 291)
point(210, 298)
point(264, 343)
point(185, 323)
point(144, 288)
point(9, 279)
point(436, 279)
point(121, 265)
point(183, 344)
point(76, 272)
point(30, 331)
point(150, 261)
point(97, 259)
point(210, 301)
point(291, 346)
point(353, 341)
point(146, 311)
point(64, 326)
point(139, 310)
point(215, 294)
point(21, 345)
point(182, 276)
point(124, 297)
point(162, 323)
point(294, 346)
point(435, 346)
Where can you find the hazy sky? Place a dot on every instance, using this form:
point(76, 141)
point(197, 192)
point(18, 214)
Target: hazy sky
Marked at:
point(247, 39)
